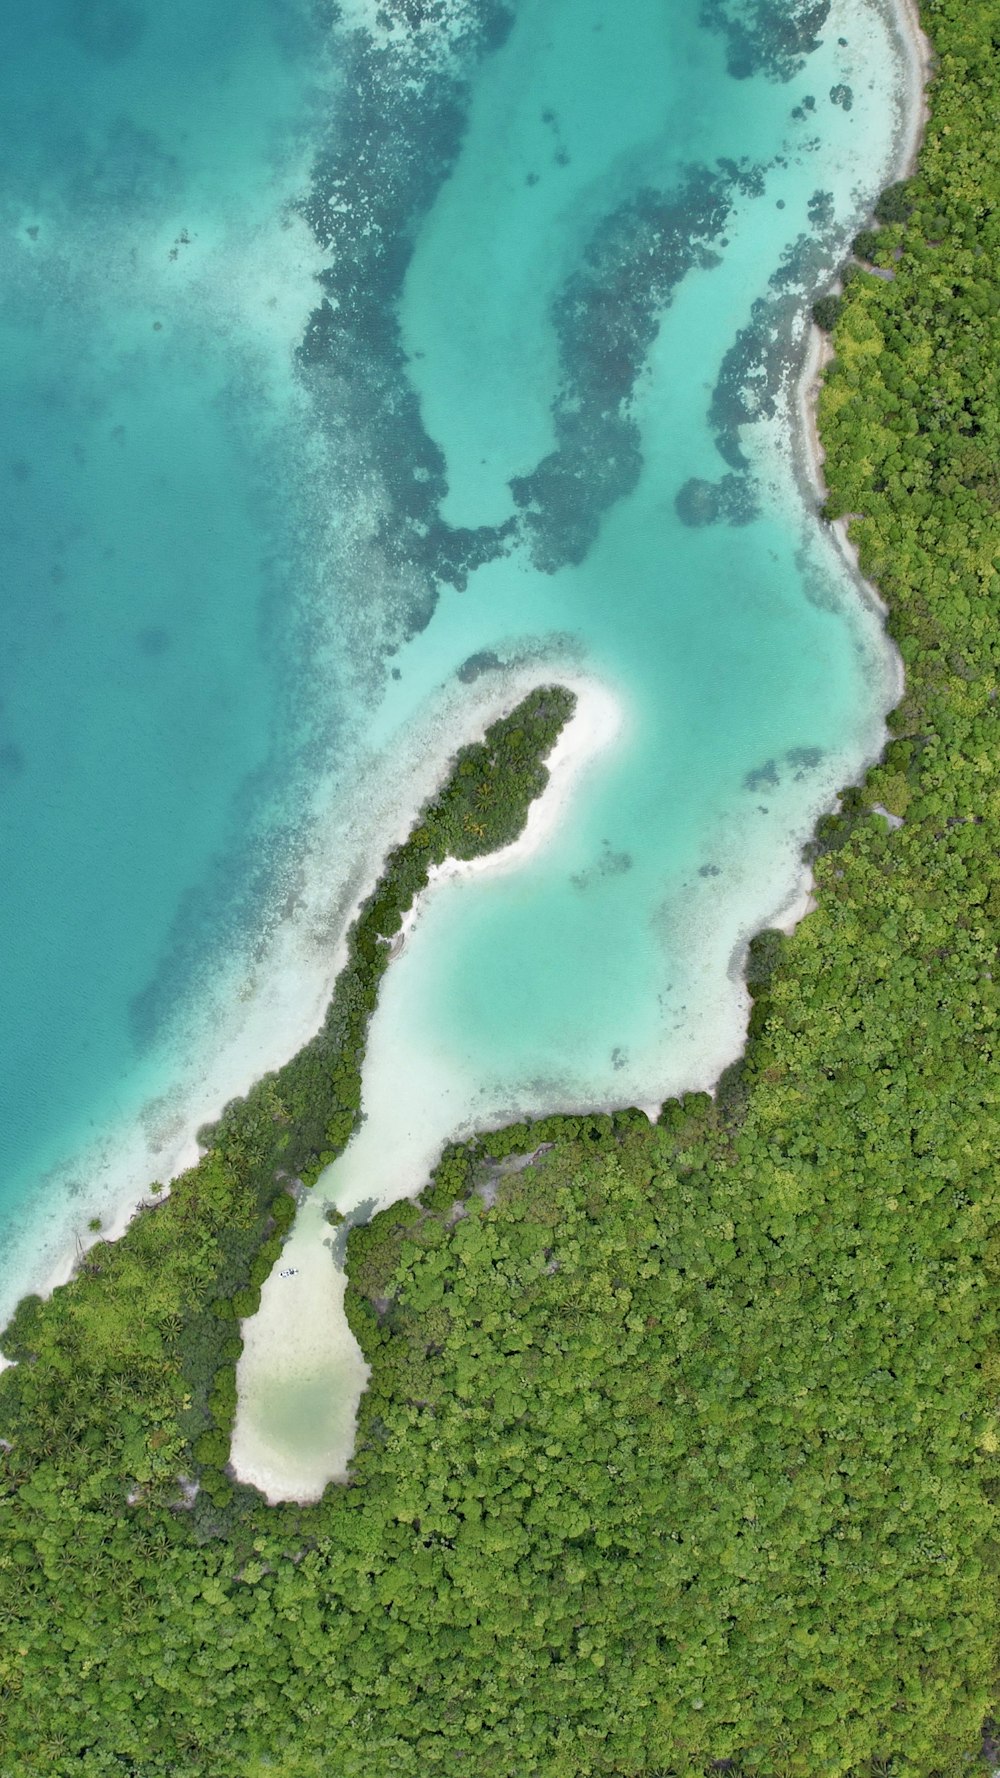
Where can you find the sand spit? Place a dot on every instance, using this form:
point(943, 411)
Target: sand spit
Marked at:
point(260, 1012)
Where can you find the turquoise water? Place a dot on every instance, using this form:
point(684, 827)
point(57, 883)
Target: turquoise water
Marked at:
point(604, 320)
point(353, 378)
point(154, 285)
point(753, 673)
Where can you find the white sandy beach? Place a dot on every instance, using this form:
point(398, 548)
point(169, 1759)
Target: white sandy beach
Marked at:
point(261, 1010)
point(597, 721)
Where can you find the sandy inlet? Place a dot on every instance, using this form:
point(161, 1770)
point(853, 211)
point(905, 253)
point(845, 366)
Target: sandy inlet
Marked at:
point(301, 1374)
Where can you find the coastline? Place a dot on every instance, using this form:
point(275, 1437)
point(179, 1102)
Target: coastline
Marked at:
point(912, 30)
point(304, 973)
point(618, 1401)
point(819, 353)
point(297, 980)
point(596, 723)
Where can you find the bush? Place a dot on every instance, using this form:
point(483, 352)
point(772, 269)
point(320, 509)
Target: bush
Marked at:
point(866, 244)
point(895, 204)
point(212, 1450)
point(826, 312)
point(763, 956)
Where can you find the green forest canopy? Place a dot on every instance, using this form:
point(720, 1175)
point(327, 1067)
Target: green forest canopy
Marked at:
point(680, 1446)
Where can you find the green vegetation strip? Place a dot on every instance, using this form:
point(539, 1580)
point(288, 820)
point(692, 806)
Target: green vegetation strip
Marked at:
point(680, 1447)
point(131, 1367)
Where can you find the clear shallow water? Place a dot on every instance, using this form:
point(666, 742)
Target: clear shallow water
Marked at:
point(350, 383)
point(754, 675)
point(603, 316)
point(242, 583)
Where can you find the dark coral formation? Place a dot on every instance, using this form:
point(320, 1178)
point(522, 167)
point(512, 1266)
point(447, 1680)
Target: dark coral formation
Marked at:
point(606, 320)
point(729, 501)
point(395, 142)
point(369, 193)
point(770, 37)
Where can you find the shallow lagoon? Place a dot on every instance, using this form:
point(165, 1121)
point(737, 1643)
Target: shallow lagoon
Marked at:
point(624, 404)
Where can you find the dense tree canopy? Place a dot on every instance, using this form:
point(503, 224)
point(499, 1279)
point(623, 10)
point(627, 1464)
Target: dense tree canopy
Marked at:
point(680, 1446)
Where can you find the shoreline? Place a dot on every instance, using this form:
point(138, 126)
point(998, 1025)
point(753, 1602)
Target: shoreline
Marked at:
point(819, 353)
point(596, 723)
point(731, 1373)
point(300, 981)
point(912, 30)
point(819, 349)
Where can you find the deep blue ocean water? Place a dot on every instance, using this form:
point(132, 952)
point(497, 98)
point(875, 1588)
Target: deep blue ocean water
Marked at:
point(352, 374)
